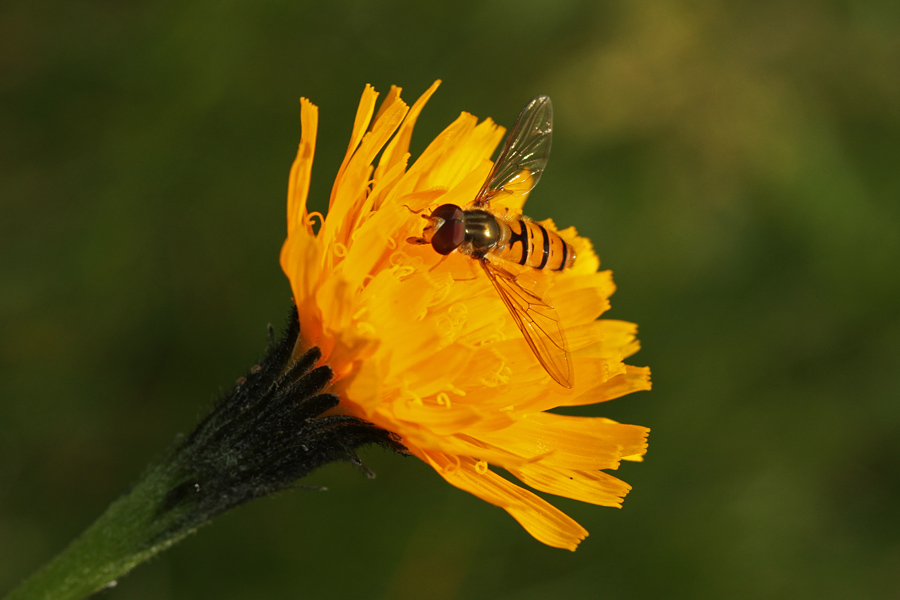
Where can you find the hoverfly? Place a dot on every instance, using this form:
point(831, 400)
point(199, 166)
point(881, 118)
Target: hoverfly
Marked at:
point(491, 238)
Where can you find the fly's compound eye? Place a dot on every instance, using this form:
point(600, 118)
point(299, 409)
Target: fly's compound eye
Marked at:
point(451, 228)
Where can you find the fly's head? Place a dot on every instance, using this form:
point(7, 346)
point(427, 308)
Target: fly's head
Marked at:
point(445, 231)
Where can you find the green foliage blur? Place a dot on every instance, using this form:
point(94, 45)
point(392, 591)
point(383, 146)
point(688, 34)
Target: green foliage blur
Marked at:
point(737, 165)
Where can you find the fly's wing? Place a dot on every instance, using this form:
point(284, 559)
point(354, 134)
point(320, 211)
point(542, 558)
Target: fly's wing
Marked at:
point(525, 153)
point(536, 319)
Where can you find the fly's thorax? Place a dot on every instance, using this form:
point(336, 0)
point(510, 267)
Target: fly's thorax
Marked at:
point(484, 232)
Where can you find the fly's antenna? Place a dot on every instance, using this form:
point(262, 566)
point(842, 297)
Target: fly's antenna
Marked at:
point(415, 212)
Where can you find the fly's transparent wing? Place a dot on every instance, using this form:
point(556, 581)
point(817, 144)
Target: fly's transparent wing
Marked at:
point(524, 155)
point(536, 319)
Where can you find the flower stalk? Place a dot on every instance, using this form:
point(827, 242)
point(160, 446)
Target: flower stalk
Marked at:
point(275, 426)
point(128, 533)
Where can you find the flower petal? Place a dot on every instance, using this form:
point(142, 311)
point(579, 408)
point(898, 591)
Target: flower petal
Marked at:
point(596, 487)
point(301, 170)
point(541, 519)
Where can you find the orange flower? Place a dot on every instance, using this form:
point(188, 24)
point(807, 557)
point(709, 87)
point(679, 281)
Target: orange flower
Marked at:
point(426, 349)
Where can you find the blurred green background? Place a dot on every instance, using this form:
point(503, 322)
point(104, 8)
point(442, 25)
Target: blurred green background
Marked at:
point(737, 165)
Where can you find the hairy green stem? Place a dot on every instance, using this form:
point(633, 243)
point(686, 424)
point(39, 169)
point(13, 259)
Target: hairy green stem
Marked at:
point(130, 531)
point(272, 429)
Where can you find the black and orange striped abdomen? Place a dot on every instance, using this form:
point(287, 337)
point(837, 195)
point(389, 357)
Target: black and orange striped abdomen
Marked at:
point(534, 245)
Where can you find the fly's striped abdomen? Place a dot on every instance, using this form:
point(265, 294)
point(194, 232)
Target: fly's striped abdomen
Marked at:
point(534, 245)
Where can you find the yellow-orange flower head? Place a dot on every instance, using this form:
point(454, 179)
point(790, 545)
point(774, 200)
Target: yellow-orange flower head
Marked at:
point(424, 347)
